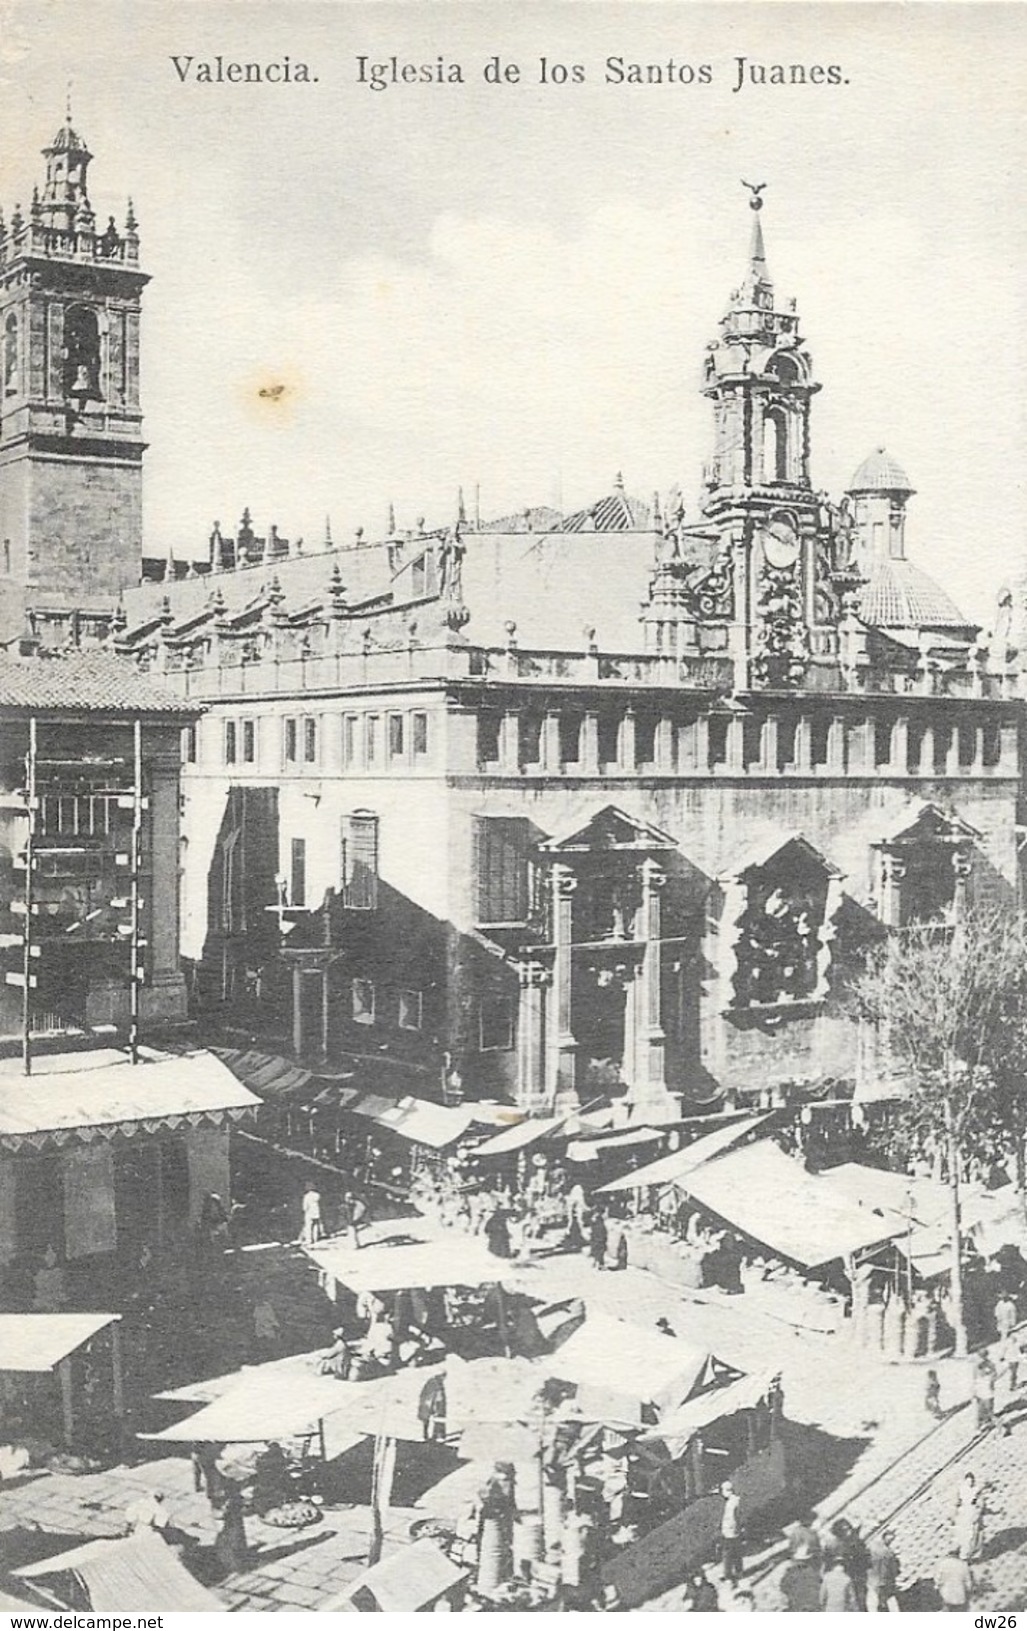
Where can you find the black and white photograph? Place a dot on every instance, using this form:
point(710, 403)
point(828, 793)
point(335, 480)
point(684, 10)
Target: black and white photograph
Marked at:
point(513, 808)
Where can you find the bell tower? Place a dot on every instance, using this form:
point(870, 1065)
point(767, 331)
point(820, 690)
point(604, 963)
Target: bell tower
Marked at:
point(759, 496)
point(71, 446)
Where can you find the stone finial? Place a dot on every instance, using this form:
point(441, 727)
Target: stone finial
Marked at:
point(390, 525)
point(461, 509)
point(511, 634)
point(36, 208)
point(328, 533)
point(336, 594)
point(17, 221)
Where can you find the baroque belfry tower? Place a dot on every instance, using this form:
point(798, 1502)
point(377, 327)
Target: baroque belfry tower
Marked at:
point(71, 446)
point(760, 499)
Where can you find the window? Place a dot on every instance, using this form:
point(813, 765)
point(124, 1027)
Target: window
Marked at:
point(419, 732)
point(349, 739)
point(502, 868)
point(359, 861)
point(249, 741)
point(189, 745)
point(229, 741)
point(11, 355)
point(396, 736)
point(310, 741)
point(570, 738)
point(372, 738)
point(82, 354)
point(410, 1010)
point(495, 1024)
point(291, 740)
point(298, 885)
point(363, 1002)
point(490, 723)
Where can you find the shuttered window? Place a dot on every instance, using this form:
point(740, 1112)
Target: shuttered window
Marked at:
point(502, 868)
point(299, 872)
point(359, 861)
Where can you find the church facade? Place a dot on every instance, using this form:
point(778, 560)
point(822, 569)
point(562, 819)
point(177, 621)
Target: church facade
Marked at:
point(563, 808)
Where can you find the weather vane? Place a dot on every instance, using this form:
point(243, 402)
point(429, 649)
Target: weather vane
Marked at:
point(755, 188)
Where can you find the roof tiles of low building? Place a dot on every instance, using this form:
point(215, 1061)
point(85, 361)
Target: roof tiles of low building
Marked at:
point(85, 682)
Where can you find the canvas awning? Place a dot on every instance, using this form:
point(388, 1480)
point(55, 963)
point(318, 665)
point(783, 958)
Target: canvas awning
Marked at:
point(101, 1094)
point(266, 1074)
point(678, 1427)
point(402, 1583)
point(630, 1138)
point(521, 1137)
point(671, 1167)
point(402, 1256)
point(38, 1342)
point(139, 1573)
point(629, 1365)
point(419, 1120)
point(259, 1408)
point(770, 1197)
point(872, 1189)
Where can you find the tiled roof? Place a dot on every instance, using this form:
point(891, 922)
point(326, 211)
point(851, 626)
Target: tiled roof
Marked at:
point(90, 681)
point(900, 596)
point(880, 473)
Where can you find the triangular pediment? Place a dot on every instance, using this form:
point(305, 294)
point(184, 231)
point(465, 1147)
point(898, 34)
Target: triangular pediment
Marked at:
point(925, 821)
point(610, 828)
point(769, 847)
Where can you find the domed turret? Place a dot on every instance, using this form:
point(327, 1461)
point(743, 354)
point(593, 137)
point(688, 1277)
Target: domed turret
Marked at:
point(897, 595)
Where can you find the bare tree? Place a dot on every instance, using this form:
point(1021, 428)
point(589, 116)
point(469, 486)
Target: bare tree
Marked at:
point(945, 1002)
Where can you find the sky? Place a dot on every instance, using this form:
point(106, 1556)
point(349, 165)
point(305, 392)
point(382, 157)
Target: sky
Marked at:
point(512, 286)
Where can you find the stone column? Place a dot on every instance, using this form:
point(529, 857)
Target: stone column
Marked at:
point(649, 1087)
point(802, 756)
point(510, 743)
point(561, 1047)
point(531, 1084)
point(550, 746)
point(163, 997)
point(893, 871)
point(626, 754)
point(588, 747)
point(925, 766)
point(962, 867)
point(899, 761)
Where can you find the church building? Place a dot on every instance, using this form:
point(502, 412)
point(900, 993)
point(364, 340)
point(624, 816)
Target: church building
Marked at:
point(548, 810)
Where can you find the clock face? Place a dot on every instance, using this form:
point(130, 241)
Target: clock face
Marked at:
point(780, 543)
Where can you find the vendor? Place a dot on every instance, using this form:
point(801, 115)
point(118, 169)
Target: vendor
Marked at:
point(270, 1479)
point(337, 1361)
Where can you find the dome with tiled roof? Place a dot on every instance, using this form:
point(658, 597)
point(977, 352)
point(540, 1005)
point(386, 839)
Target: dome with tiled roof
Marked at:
point(880, 473)
point(899, 595)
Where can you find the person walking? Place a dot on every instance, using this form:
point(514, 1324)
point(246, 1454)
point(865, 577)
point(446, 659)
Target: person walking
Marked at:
point(837, 1592)
point(799, 1582)
point(266, 1329)
point(955, 1582)
point(597, 1239)
point(731, 1553)
point(985, 1377)
point(932, 1396)
point(882, 1574)
point(968, 1528)
point(354, 1211)
point(313, 1227)
point(1005, 1316)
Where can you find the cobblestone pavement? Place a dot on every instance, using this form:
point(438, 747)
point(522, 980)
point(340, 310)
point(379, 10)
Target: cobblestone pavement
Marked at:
point(869, 1413)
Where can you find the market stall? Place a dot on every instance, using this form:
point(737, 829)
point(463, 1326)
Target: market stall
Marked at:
point(80, 1352)
point(138, 1573)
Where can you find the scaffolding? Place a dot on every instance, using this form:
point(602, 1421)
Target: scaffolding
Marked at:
point(82, 862)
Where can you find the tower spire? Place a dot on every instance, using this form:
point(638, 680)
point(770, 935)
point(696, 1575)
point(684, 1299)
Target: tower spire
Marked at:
point(757, 273)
